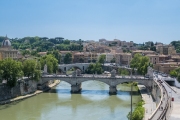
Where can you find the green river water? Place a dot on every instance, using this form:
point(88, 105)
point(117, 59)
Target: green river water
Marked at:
point(94, 103)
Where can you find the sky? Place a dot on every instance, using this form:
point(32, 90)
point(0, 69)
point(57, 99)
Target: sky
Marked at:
point(129, 20)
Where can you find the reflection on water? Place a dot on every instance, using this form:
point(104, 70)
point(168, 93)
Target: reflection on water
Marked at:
point(94, 103)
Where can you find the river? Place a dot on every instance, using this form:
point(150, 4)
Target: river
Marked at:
point(94, 103)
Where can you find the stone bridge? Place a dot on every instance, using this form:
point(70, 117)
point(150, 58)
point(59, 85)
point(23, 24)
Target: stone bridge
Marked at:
point(76, 81)
point(66, 67)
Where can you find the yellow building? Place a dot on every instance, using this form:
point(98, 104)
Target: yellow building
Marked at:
point(6, 50)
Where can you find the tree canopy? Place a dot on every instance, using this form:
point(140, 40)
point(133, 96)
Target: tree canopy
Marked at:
point(10, 70)
point(94, 68)
point(175, 73)
point(51, 62)
point(31, 69)
point(68, 58)
point(102, 59)
point(141, 63)
point(176, 44)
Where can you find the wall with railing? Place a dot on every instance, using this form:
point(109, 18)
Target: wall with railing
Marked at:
point(162, 110)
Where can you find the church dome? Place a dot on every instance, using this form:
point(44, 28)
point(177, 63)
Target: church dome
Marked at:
point(6, 43)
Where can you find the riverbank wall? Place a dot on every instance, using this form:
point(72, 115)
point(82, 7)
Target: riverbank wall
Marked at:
point(56, 82)
point(23, 89)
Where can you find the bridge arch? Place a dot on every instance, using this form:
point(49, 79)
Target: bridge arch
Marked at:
point(66, 67)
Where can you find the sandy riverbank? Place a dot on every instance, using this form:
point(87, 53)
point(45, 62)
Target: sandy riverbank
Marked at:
point(56, 82)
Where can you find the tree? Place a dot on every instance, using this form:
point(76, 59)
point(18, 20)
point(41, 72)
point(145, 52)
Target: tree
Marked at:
point(25, 52)
point(113, 60)
point(11, 70)
point(102, 59)
point(94, 68)
point(66, 42)
point(31, 69)
point(175, 73)
point(123, 71)
point(153, 48)
point(51, 62)
point(57, 55)
point(68, 58)
point(140, 63)
point(138, 112)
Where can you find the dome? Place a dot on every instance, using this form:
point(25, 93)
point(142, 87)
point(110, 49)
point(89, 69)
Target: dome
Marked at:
point(6, 43)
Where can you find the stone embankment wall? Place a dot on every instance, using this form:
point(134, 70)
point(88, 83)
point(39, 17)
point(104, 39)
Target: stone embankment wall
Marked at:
point(21, 88)
point(156, 92)
point(7, 92)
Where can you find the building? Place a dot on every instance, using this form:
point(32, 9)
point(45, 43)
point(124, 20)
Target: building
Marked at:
point(90, 57)
point(109, 56)
point(166, 49)
point(166, 67)
point(143, 52)
point(154, 59)
point(6, 51)
point(123, 58)
point(78, 57)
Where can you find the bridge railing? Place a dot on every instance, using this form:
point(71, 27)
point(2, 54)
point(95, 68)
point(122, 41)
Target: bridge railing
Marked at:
point(96, 76)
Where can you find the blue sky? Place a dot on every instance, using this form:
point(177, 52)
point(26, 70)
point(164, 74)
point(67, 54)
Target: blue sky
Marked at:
point(129, 20)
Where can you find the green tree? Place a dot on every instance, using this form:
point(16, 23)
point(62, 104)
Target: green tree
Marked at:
point(94, 68)
point(51, 62)
point(68, 58)
point(57, 55)
point(31, 69)
point(123, 71)
point(11, 70)
point(66, 42)
point(173, 73)
point(113, 60)
point(26, 52)
point(102, 59)
point(140, 63)
point(138, 112)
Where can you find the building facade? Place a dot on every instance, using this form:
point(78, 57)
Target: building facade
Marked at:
point(123, 58)
point(6, 51)
point(166, 49)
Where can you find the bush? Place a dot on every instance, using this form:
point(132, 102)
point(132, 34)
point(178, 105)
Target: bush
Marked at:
point(138, 113)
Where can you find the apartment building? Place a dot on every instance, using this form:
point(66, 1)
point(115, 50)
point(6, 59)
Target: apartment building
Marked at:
point(166, 49)
point(123, 58)
point(154, 59)
point(116, 42)
point(143, 52)
point(78, 57)
point(109, 56)
point(166, 67)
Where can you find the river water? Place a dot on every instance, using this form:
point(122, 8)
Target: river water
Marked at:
point(94, 103)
